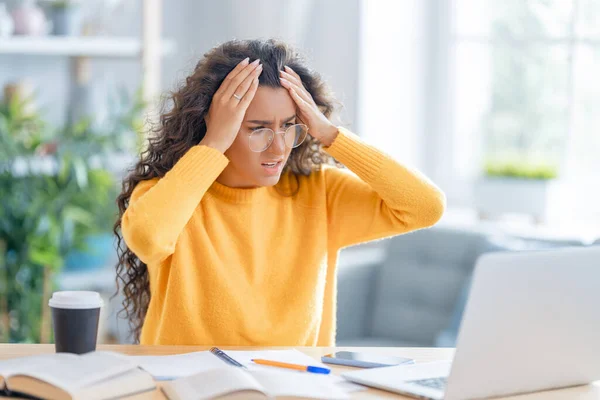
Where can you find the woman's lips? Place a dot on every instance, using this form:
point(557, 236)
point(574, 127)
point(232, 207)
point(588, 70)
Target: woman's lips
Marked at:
point(272, 167)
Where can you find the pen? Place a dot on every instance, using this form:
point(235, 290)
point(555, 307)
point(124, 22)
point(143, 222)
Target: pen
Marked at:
point(224, 357)
point(307, 368)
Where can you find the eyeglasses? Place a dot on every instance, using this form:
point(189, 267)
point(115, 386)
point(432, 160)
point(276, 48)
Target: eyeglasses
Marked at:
point(260, 139)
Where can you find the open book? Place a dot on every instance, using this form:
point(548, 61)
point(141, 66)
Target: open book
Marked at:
point(237, 383)
point(63, 376)
point(181, 365)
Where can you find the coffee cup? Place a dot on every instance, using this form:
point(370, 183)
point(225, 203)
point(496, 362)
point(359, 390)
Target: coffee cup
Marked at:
point(75, 316)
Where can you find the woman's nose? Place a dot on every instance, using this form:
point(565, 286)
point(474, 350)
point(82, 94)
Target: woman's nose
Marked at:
point(278, 145)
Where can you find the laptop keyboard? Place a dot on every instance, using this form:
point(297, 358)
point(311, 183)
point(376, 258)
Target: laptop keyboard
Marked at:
point(434, 383)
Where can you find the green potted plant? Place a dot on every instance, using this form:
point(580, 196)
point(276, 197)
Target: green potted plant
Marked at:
point(517, 185)
point(66, 17)
point(117, 136)
point(54, 197)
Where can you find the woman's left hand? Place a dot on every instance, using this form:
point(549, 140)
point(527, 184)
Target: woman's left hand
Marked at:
point(319, 126)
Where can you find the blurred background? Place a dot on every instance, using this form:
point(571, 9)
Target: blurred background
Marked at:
point(497, 102)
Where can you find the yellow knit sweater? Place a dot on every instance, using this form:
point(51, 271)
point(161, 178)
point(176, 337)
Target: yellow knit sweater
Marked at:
point(253, 267)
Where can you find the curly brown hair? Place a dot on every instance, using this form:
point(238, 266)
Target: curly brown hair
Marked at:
point(182, 126)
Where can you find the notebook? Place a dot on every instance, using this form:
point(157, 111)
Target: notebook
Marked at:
point(63, 376)
point(182, 365)
point(237, 383)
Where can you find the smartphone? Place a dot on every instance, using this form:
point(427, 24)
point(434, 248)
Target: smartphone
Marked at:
point(364, 360)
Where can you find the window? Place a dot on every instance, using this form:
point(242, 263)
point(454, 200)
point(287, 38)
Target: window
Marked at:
point(527, 84)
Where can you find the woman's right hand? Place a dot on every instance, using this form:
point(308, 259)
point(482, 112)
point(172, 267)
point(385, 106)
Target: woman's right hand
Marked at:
point(226, 112)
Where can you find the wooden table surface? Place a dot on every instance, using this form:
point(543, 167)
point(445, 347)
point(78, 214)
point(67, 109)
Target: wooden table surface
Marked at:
point(587, 392)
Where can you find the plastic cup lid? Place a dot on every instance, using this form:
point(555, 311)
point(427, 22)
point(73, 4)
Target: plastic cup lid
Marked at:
point(75, 300)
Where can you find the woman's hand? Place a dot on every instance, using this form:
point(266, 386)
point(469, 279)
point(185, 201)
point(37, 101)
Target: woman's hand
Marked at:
point(319, 126)
point(229, 105)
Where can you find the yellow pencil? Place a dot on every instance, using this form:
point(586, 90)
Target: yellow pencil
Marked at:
point(297, 367)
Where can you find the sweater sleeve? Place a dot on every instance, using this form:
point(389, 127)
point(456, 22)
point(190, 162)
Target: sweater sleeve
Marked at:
point(159, 209)
point(378, 197)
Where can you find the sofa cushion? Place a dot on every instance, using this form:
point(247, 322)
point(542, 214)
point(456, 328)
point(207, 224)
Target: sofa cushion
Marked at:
point(354, 296)
point(420, 281)
point(516, 243)
point(375, 342)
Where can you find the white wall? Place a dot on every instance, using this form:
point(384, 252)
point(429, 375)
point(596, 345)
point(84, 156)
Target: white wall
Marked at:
point(331, 42)
point(393, 78)
point(329, 38)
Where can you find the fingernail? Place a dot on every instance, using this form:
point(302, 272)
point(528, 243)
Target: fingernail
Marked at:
point(256, 61)
point(286, 67)
point(245, 60)
point(259, 68)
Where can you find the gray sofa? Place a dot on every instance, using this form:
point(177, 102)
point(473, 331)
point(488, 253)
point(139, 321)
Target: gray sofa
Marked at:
point(416, 295)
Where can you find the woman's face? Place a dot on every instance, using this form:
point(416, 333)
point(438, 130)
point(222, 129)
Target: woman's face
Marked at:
point(271, 108)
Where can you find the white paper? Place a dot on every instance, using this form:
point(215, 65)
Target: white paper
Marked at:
point(72, 372)
point(178, 365)
point(288, 356)
point(182, 365)
point(347, 386)
point(227, 380)
point(22, 364)
point(125, 384)
point(210, 384)
point(298, 384)
point(399, 373)
point(293, 357)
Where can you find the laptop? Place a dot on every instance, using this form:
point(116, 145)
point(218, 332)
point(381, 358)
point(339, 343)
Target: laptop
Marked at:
point(531, 323)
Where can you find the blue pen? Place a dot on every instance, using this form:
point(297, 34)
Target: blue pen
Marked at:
point(219, 353)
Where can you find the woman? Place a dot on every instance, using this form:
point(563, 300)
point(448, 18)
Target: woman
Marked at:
point(231, 220)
